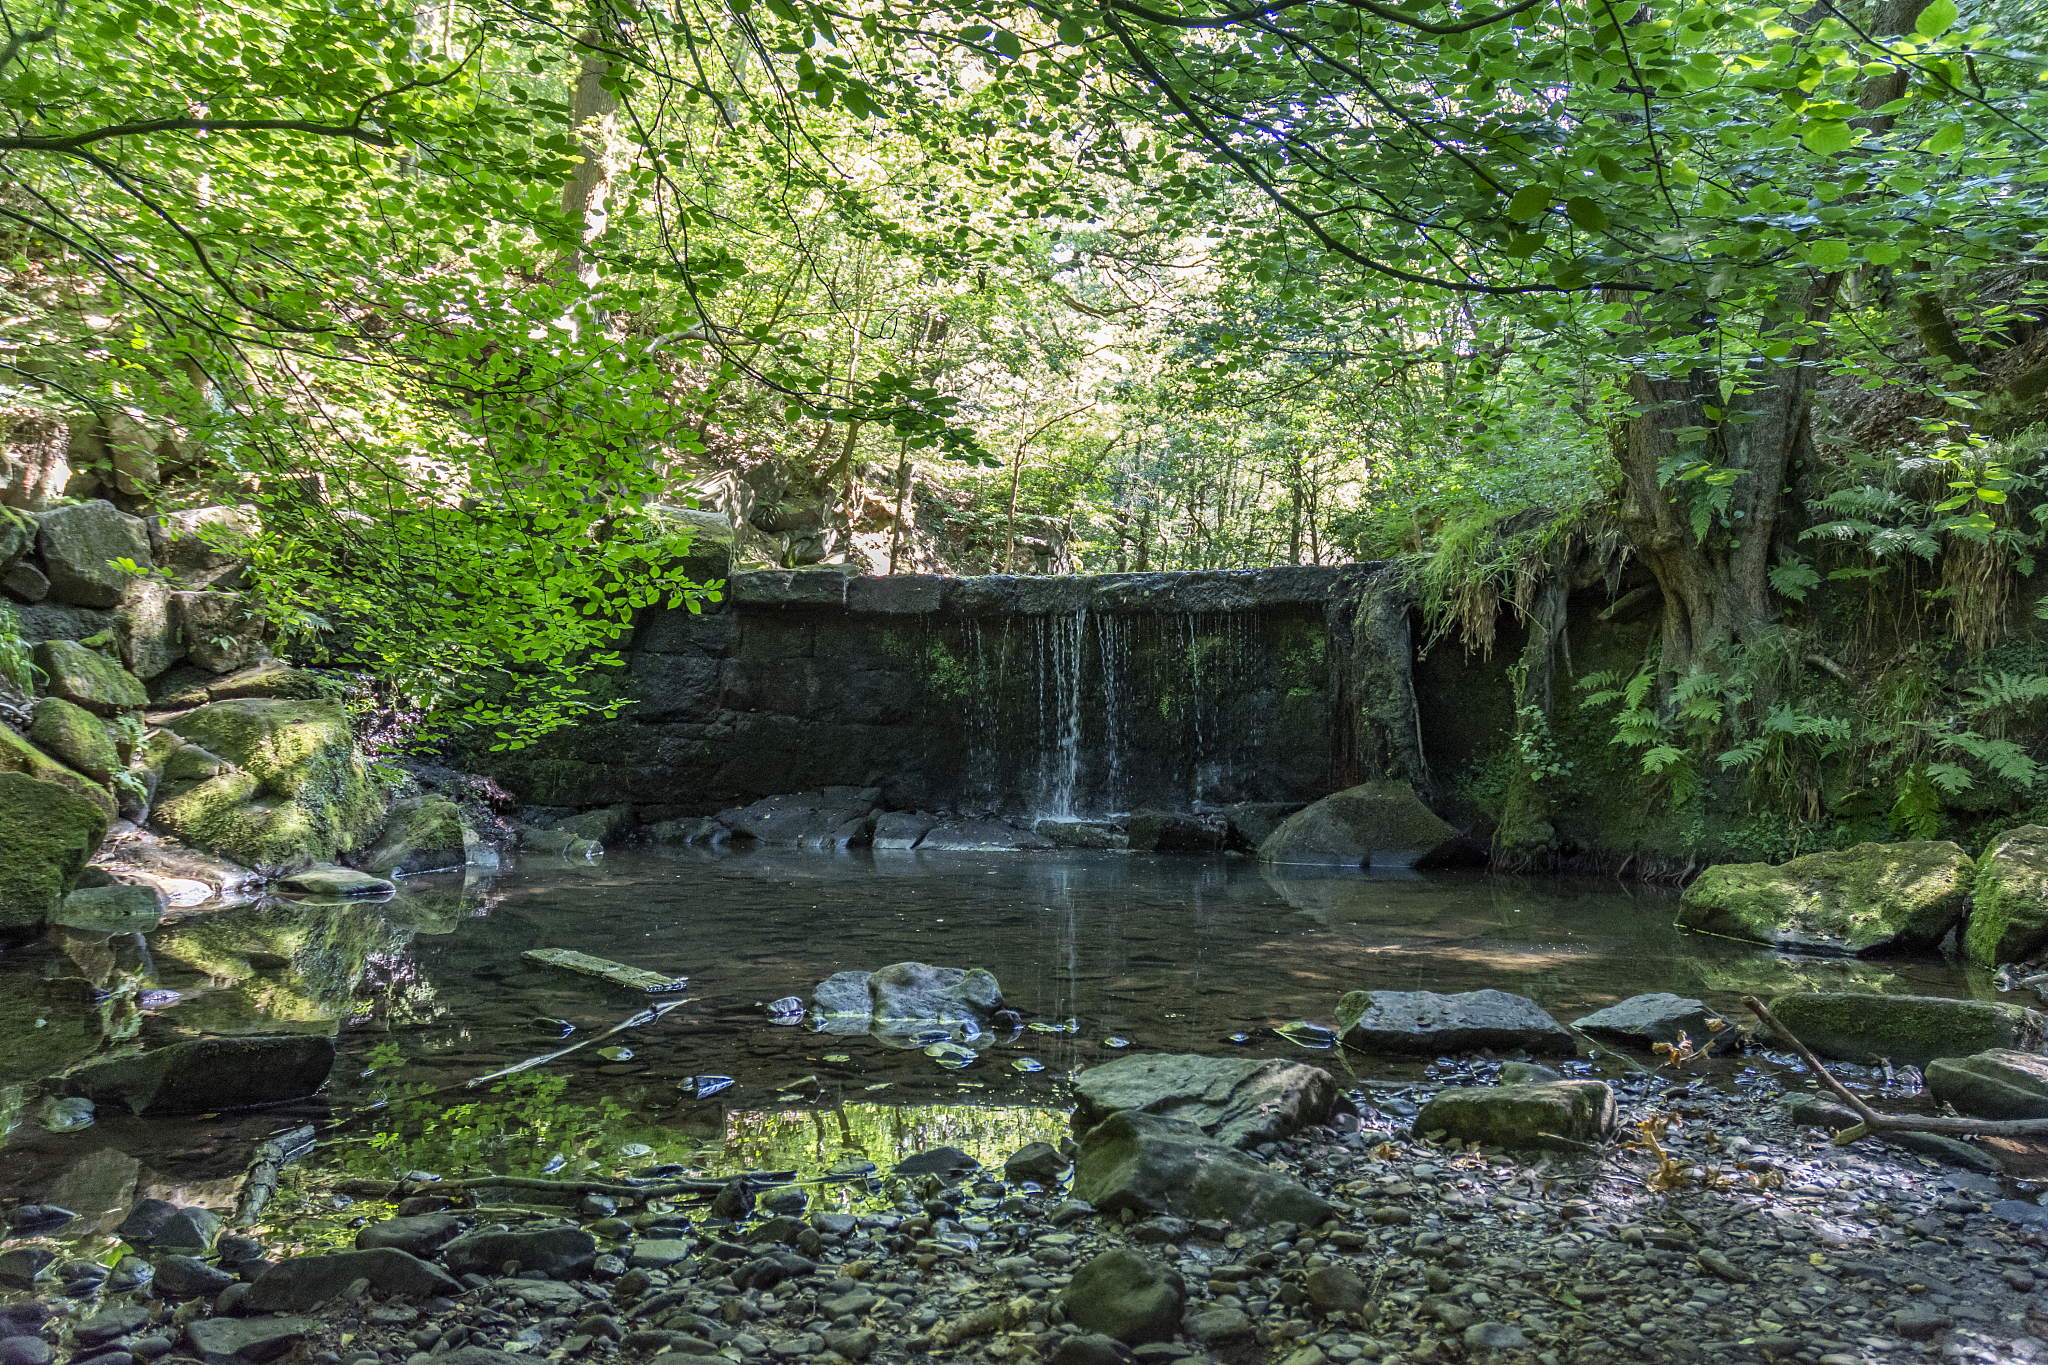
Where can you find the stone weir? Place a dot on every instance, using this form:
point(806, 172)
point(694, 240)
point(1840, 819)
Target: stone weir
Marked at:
point(1065, 696)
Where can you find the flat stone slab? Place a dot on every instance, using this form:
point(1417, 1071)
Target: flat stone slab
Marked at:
point(2000, 1083)
point(1657, 1018)
point(343, 882)
point(1569, 1115)
point(617, 973)
point(1424, 1023)
point(1240, 1101)
point(245, 1341)
point(1907, 1030)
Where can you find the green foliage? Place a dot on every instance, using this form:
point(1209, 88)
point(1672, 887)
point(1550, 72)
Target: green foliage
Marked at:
point(17, 662)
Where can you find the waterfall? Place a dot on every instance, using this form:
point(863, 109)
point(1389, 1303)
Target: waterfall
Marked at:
point(1113, 662)
point(1062, 652)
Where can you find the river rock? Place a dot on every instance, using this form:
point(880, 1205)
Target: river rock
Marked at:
point(559, 1253)
point(79, 546)
point(1066, 832)
point(1375, 824)
point(1854, 901)
point(845, 994)
point(50, 833)
point(17, 755)
point(1153, 1165)
point(26, 1351)
point(915, 991)
point(115, 1320)
point(831, 818)
point(901, 829)
point(982, 836)
point(73, 735)
point(1248, 824)
point(305, 1282)
point(1658, 1018)
point(159, 1225)
point(1424, 1023)
point(20, 1266)
point(89, 678)
point(24, 582)
point(119, 909)
point(1998, 1084)
point(205, 1074)
point(1239, 1101)
point(1907, 1030)
point(1536, 1114)
point(299, 791)
point(421, 1234)
point(1127, 1296)
point(422, 835)
point(146, 630)
point(2009, 899)
point(341, 883)
point(1036, 1161)
point(245, 1341)
point(188, 1277)
point(1335, 1290)
point(1163, 831)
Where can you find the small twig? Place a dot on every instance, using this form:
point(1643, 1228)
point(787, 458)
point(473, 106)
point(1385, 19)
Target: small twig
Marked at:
point(526, 1182)
point(1874, 1122)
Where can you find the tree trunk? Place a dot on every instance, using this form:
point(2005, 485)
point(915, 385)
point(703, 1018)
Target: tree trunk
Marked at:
point(590, 107)
point(902, 504)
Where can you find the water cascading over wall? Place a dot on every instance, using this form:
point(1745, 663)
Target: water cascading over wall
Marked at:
point(1068, 696)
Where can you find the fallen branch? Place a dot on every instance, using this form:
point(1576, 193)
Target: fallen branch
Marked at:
point(527, 1182)
point(272, 1156)
point(1874, 1122)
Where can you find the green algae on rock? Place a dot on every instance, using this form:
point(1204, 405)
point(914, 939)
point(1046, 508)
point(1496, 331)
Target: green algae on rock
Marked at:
point(1906, 1030)
point(75, 735)
point(89, 678)
point(17, 755)
point(50, 833)
point(2009, 903)
point(421, 835)
point(302, 793)
point(1560, 1114)
point(1853, 901)
point(1375, 824)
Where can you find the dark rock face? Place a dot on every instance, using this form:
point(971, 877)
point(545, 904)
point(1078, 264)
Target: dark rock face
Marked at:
point(205, 1074)
point(79, 545)
point(421, 1234)
point(1156, 1165)
point(244, 1341)
point(1240, 1102)
point(305, 1282)
point(1657, 1018)
point(1132, 1298)
point(1424, 1023)
point(1996, 1084)
point(981, 836)
point(559, 1253)
point(1907, 1030)
point(831, 818)
point(1568, 1115)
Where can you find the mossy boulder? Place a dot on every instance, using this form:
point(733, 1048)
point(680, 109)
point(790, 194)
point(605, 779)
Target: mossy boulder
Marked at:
point(2009, 903)
point(299, 792)
point(17, 755)
point(1906, 1030)
point(423, 835)
point(2000, 1084)
point(1854, 901)
point(1569, 1115)
point(47, 832)
point(89, 678)
point(81, 545)
point(75, 735)
point(1375, 824)
point(222, 631)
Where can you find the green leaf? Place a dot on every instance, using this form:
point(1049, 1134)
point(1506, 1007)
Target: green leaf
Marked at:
point(1832, 254)
point(1528, 202)
point(1935, 19)
point(1586, 213)
point(1009, 44)
point(1610, 169)
point(1072, 32)
point(1828, 137)
point(1948, 138)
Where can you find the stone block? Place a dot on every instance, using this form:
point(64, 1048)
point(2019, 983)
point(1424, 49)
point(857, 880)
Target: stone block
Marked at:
point(894, 594)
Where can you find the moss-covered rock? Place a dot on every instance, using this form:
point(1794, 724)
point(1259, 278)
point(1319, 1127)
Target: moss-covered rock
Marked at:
point(221, 630)
point(1375, 824)
point(76, 736)
point(17, 755)
point(2009, 903)
point(89, 678)
point(1564, 1114)
point(2000, 1084)
point(47, 833)
point(300, 792)
point(1859, 900)
point(420, 836)
point(81, 545)
point(1906, 1030)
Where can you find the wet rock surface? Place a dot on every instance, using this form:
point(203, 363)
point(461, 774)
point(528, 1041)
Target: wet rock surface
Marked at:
point(1428, 1024)
point(1238, 1101)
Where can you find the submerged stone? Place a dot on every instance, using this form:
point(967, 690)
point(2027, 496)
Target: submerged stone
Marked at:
point(1239, 1101)
point(1429, 1024)
point(1865, 899)
point(618, 974)
point(205, 1074)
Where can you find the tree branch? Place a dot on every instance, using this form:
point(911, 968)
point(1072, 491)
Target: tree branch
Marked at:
point(1392, 16)
point(196, 125)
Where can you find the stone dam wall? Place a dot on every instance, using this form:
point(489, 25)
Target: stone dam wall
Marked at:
point(1068, 696)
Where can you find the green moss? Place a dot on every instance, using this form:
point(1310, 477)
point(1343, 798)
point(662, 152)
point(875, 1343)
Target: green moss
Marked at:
point(419, 836)
point(47, 832)
point(17, 755)
point(75, 735)
point(1906, 1030)
point(1856, 900)
point(2009, 906)
point(89, 678)
point(303, 793)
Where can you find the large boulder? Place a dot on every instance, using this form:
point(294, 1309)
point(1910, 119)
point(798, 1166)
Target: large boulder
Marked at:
point(147, 633)
point(205, 1074)
point(2009, 900)
point(1998, 1084)
point(1906, 1030)
point(909, 998)
point(560, 1253)
point(422, 835)
point(1662, 1017)
point(830, 818)
point(1865, 899)
point(89, 678)
point(1560, 1114)
point(47, 834)
point(75, 735)
point(82, 546)
point(1240, 1101)
point(1124, 1295)
point(1154, 1165)
point(17, 755)
point(1375, 824)
point(204, 547)
point(1424, 1023)
point(222, 631)
point(305, 1282)
point(299, 792)
point(982, 836)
